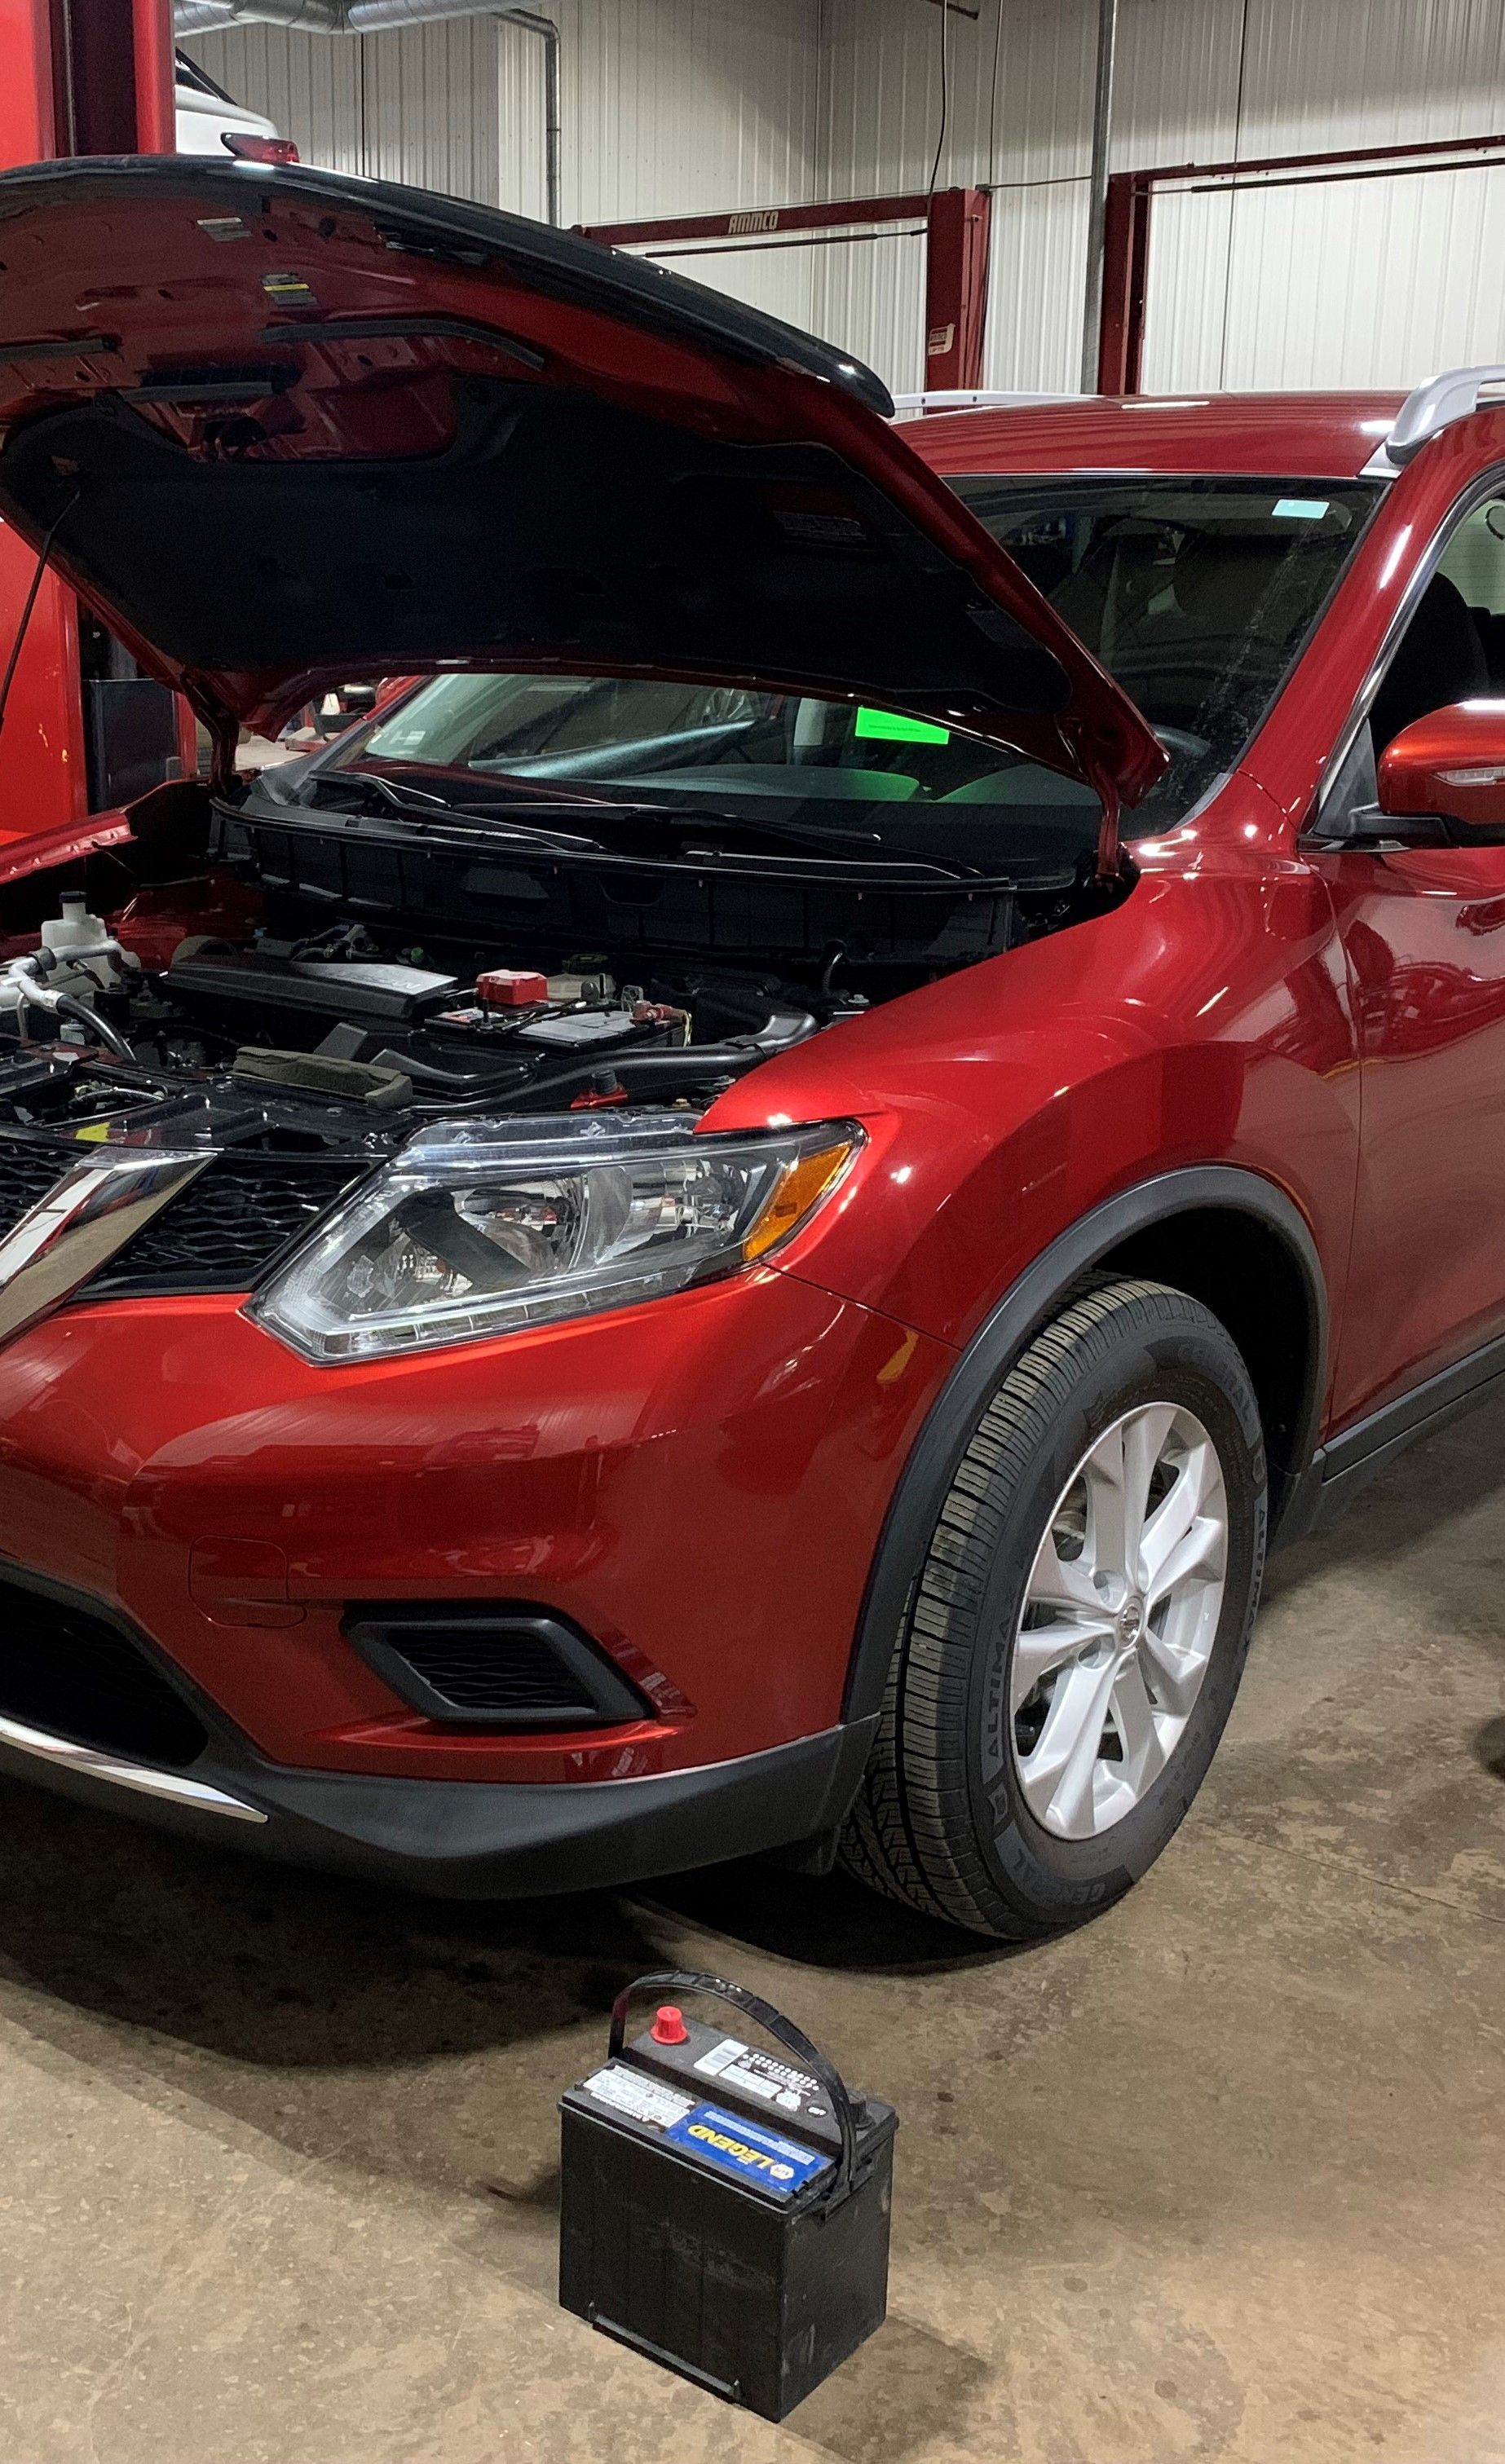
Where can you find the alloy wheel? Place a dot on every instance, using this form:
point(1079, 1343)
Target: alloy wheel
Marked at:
point(1119, 1621)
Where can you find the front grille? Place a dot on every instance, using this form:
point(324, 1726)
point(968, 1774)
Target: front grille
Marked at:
point(498, 1668)
point(229, 1225)
point(27, 1173)
point(220, 1235)
point(76, 1676)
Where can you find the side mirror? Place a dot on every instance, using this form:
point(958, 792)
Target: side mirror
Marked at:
point(1448, 766)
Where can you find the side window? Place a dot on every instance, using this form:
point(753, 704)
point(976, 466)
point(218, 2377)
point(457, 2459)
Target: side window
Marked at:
point(1474, 562)
point(1454, 645)
point(1453, 648)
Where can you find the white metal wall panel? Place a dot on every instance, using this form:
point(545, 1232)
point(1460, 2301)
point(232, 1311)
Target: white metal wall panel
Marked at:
point(1186, 298)
point(868, 297)
point(1366, 282)
point(683, 106)
point(778, 279)
point(1033, 337)
point(1175, 98)
point(1359, 284)
point(882, 107)
point(519, 120)
point(431, 105)
point(1350, 281)
point(1176, 94)
point(668, 106)
point(686, 107)
point(1026, 132)
point(1370, 73)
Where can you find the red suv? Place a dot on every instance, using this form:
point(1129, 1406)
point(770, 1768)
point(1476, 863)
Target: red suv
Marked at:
point(727, 1227)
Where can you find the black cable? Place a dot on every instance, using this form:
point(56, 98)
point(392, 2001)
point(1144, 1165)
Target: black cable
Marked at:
point(945, 94)
point(992, 103)
point(42, 555)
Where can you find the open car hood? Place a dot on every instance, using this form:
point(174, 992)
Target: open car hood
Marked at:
point(284, 428)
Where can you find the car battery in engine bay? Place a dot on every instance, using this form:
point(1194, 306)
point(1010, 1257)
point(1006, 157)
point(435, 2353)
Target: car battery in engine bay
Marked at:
point(371, 1007)
point(723, 2211)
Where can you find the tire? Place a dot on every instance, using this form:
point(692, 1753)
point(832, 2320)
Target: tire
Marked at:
point(966, 1811)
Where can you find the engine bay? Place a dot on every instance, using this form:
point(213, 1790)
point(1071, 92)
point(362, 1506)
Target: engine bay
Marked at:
point(204, 983)
point(339, 1042)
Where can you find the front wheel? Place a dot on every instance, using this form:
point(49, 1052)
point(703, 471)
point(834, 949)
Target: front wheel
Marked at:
point(1077, 1629)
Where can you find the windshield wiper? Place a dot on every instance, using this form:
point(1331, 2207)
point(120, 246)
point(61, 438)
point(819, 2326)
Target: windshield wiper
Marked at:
point(864, 851)
point(405, 798)
point(418, 804)
point(852, 847)
point(619, 807)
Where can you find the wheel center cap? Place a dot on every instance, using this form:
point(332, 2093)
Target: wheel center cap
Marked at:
point(1131, 1622)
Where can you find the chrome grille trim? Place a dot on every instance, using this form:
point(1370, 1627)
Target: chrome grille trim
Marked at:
point(74, 1231)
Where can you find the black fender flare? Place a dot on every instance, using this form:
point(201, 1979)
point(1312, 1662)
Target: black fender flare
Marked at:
point(1029, 1303)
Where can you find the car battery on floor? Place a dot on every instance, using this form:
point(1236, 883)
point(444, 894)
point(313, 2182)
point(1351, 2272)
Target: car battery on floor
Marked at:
point(723, 2210)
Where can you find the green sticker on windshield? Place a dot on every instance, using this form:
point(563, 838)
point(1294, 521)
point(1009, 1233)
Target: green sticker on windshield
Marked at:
point(889, 727)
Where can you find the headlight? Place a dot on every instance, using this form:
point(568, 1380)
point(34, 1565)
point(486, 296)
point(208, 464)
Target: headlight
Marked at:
point(480, 1227)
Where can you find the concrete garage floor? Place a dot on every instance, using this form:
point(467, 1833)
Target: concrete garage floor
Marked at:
point(1217, 2177)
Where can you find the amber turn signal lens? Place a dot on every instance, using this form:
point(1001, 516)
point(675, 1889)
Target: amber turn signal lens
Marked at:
point(799, 1189)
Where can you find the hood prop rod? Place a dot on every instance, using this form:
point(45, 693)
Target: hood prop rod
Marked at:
point(224, 733)
point(1109, 851)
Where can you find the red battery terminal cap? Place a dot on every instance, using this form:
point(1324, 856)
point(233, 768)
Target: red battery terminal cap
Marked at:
point(511, 988)
point(669, 2027)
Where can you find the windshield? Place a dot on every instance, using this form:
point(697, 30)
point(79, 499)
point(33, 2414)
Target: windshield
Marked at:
point(1195, 594)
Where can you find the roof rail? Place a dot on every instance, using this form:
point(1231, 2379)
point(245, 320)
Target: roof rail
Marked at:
point(974, 398)
point(1424, 412)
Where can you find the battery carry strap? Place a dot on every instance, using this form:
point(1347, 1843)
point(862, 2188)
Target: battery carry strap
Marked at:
point(682, 1980)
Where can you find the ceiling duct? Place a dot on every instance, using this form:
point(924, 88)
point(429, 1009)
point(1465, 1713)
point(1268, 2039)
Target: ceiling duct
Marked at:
point(376, 16)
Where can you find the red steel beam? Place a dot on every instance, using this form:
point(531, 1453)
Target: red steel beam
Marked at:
point(112, 75)
point(80, 76)
point(1125, 263)
point(1379, 155)
point(956, 287)
point(759, 222)
point(26, 127)
point(156, 77)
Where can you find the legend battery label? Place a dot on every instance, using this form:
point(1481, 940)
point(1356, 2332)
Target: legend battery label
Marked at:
point(723, 2139)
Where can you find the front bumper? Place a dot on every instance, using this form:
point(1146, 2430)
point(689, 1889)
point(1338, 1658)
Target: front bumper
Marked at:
point(699, 1486)
point(463, 1839)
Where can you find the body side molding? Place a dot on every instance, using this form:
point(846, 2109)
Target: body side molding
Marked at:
point(1356, 1455)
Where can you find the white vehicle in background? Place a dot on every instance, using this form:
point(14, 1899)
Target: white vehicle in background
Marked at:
point(210, 123)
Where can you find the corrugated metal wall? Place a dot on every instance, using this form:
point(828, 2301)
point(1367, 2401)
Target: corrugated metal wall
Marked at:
point(684, 105)
point(1020, 79)
point(1348, 283)
point(1352, 283)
